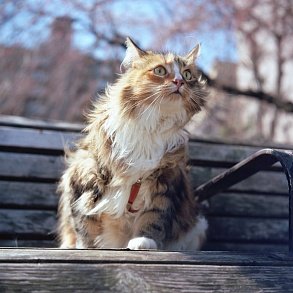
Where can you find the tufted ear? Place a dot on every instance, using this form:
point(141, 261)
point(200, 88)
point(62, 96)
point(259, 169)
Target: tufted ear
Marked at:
point(133, 52)
point(194, 53)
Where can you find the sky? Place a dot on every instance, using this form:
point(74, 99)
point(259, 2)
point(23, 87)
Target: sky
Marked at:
point(214, 46)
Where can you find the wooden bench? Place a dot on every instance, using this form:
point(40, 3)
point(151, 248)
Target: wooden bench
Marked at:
point(250, 216)
point(48, 270)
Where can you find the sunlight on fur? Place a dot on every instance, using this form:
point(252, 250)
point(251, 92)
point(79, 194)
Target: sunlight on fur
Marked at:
point(135, 133)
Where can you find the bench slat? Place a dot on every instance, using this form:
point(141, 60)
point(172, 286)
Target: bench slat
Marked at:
point(98, 256)
point(11, 137)
point(23, 122)
point(56, 140)
point(248, 229)
point(129, 277)
point(248, 247)
point(28, 195)
point(13, 222)
point(248, 205)
point(219, 153)
point(266, 181)
point(28, 243)
point(42, 195)
point(31, 166)
point(21, 222)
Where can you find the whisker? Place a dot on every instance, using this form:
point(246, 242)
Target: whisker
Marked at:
point(153, 109)
point(160, 102)
point(133, 106)
point(149, 106)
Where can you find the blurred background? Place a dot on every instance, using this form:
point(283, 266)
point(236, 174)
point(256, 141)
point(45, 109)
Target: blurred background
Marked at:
point(57, 55)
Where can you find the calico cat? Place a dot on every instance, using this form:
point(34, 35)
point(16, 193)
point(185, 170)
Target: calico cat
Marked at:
point(126, 184)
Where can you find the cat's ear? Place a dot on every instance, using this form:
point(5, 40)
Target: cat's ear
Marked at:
point(194, 53)
point(133, 52)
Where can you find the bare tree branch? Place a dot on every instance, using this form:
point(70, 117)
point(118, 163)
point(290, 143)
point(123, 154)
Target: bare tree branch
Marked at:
point(282, 105)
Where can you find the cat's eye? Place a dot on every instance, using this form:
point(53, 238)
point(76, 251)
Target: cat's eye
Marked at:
point(160, 71)
point(187, 75)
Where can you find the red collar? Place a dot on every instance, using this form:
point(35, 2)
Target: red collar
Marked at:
point(133, 194)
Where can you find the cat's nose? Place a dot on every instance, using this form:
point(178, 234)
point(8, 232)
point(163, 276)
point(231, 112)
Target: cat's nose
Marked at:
point(178, 82)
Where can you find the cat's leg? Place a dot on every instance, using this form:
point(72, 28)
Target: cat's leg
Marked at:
point(81, 186)
point(68, 237)
point(173, 216)
point(193, 239)
point(154, 236)
point(66, 231)
point(150, 229)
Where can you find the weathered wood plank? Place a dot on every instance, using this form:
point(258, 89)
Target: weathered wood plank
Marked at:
point(23, 222)
point(41, 139)
point(31, 166)
point(144, 256)
point(34, 139)
point(238, 142)
point(219, 153)
point(209, 246)
point(245, 247)
point(232, 229)
point(51, 167)
point(43, 196)
point(23, 122)
point(144, 278)
point(28, 195)
point(266, 181)
point(16, 243)
point(249, 205)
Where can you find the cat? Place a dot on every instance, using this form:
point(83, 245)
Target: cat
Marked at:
point(126, 185)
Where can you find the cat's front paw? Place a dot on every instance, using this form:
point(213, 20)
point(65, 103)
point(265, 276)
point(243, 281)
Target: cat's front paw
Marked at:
point(142, 243)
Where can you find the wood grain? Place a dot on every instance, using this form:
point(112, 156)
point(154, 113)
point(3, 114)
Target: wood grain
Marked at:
point(262, 182)
point(13, 255)
point(27, 195)
point(144, 278)
point(31, 166)
point(23, 122)
point(47, 270)
point(249, 205)
point(242, 229)
point(210, 246)
point(14, 222)
point(32, 139)
point(16, 243)
point(44, 140)
point(219, 153)
point(21, 222)
point(262, 247)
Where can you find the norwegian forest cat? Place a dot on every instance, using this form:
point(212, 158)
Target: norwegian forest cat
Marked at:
point(126, 184)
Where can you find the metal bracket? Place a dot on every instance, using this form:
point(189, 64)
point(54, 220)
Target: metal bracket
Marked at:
point(259, 161)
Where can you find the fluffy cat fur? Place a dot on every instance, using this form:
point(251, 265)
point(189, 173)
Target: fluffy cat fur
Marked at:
point(135, 132)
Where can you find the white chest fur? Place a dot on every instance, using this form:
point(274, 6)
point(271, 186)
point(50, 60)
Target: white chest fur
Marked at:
point(141, 144)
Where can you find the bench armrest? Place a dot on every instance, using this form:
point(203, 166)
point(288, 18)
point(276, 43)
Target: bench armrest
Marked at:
point(259, 161)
